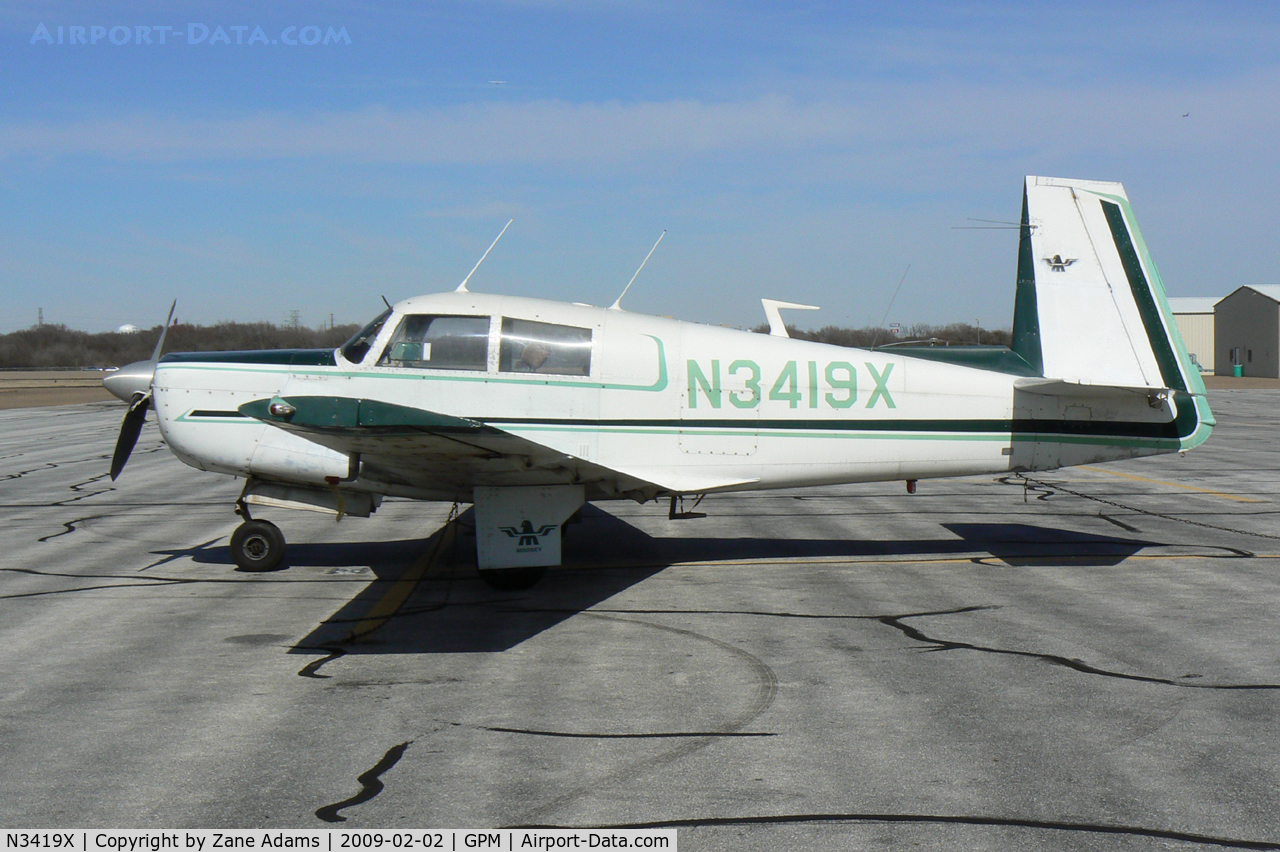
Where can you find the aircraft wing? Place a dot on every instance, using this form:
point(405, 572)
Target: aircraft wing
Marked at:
point(427, 450)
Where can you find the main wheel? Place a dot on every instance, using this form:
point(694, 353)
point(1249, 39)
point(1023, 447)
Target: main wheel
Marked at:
point(513, 579)
point(257, 546)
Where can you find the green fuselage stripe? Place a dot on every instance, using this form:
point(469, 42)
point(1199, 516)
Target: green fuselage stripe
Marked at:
point(284, 357)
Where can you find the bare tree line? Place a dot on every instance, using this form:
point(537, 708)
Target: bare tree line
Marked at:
point(56, 346)
point(952, 334)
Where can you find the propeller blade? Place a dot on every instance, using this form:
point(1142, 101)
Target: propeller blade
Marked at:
point(130, 429)
point(155, 356)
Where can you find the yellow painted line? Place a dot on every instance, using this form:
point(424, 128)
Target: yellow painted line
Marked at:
point(1221, 494)
point(438, 545)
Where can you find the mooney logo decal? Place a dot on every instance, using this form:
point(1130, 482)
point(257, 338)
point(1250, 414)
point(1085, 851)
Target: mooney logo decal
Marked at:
point(529, 537)
point(793, 385)
point(1058, 263)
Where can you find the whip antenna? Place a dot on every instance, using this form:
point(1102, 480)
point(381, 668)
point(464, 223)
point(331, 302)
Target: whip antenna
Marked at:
point(617, 305)
point(462, 288)
point(885, 319)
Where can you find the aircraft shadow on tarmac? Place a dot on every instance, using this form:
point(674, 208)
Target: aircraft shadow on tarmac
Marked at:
point(450, 610)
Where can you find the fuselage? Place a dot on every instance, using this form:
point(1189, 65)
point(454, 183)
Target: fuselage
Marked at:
point(683, 407)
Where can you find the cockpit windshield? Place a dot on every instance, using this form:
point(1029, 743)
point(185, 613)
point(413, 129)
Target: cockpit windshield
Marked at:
point(357, 347)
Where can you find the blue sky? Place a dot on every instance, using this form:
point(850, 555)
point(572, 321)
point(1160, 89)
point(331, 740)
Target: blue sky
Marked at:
point(800, 151)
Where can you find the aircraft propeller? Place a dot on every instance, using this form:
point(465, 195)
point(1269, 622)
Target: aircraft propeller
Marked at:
point(132, 384)
point(130, 429)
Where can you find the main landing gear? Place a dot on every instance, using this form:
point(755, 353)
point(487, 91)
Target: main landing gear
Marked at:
point(256, 545)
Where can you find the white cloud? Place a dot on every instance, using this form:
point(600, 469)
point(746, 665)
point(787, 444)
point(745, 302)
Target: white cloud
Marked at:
point(541, 131)
point(936, 124)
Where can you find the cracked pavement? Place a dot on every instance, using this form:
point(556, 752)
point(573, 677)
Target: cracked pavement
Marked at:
point(1087, 661)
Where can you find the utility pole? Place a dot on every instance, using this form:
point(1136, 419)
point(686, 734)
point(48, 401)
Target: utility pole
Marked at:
point(294, 319)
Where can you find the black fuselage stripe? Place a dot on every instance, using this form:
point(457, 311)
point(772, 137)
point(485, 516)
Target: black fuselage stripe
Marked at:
point(1020, 426)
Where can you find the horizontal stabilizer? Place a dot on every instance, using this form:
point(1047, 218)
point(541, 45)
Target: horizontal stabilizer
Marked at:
point(1104, 401)
point(1059, 387)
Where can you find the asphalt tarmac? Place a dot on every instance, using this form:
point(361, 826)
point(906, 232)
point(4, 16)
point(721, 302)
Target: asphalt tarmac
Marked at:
point(1086, 661)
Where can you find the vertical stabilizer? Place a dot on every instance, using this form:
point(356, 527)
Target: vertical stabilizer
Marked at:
point(1089, 297)
point(1090, 307)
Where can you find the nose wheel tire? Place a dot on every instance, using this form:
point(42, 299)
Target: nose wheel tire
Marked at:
point(257, 546)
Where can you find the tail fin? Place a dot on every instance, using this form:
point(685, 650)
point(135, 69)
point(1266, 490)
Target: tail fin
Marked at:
point(1090, 306)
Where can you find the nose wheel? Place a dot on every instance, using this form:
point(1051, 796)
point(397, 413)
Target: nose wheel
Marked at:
point(257, 546)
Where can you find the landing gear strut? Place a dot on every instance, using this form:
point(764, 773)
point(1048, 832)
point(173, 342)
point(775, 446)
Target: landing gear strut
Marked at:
point(256, 545)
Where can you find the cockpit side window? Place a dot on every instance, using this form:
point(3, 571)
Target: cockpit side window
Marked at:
point(542, 347)
point(357, 347)
point(435, 342)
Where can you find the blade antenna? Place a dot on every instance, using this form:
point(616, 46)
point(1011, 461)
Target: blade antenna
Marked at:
point(462, 288)
point(617, 305)
point(885, 319)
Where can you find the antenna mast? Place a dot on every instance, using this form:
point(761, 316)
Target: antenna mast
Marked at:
point(462, 288)
point(885, 319)
point(617, 305)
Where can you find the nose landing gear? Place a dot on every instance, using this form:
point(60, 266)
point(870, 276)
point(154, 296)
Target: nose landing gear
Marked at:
point(256, 545)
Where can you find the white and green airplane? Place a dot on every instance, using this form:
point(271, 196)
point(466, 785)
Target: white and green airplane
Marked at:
point(528, 408)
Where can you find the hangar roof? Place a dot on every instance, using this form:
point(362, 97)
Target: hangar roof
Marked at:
point(1193, 304)
point(1271, 291)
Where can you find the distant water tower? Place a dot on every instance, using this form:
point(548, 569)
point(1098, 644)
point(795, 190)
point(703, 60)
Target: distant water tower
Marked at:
point(128, 328)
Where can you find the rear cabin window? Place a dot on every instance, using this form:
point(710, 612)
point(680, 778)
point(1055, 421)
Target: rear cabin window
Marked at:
point(435, 342)
point(542, 347)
